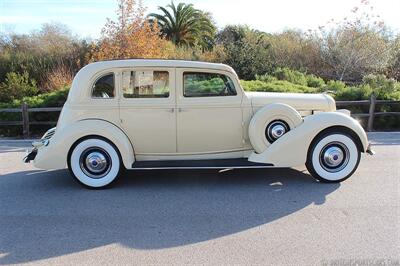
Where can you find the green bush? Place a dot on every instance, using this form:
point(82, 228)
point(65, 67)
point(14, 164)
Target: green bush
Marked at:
point(16, 86)
point(353, 93)
point(275, 86)
point(292, 76)
point(315, 82)
point(266, 78)
point(51, 99)
point(335, 85)
point(382, 87)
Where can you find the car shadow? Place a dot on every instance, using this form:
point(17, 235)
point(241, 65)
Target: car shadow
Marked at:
point(46, 214)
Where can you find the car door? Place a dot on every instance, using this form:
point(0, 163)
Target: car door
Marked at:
point(209, 113)
point(147, 109)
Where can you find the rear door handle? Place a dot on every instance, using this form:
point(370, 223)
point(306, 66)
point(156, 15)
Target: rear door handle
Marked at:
point(170, 110)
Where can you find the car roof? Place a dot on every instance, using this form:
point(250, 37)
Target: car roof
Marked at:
point(161, 63)
point(84, 77)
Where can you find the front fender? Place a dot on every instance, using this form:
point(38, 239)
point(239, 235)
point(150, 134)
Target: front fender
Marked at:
point(54, 156)
point(291, 149)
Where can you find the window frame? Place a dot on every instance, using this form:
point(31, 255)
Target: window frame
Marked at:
point(205, 73)
point(100, 76)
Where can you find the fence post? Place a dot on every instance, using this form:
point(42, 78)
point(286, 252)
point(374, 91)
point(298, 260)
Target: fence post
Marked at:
point(25, 120)
point(371, 113)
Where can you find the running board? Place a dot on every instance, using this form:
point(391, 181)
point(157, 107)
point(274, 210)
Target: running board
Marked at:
point(198, 164)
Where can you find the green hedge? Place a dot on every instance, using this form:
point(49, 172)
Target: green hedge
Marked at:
point(52, 99)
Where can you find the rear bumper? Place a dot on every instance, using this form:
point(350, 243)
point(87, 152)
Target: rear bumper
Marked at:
point(369, 150)
point(30, 156)
point(36, 145)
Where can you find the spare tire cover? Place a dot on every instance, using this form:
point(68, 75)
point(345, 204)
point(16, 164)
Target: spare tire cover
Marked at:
point(264, 116)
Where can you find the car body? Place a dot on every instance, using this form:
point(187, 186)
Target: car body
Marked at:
point(147, 114)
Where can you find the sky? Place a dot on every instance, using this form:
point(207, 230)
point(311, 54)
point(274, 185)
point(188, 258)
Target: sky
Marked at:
point(87, 17)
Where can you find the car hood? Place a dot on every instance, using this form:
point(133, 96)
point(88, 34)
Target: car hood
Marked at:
point(299, 101)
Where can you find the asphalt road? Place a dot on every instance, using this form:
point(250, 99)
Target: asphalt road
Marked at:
point(280, 217)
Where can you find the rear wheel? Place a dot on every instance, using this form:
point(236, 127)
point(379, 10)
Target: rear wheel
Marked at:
point(333, 157)
point(94, 163)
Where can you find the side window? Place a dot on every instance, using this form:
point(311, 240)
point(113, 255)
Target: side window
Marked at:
point(198, 84)
point(145, 84)
point(104, 87)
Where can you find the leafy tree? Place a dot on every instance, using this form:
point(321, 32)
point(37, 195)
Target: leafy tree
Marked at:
point(354, 47)
point(131, 36)
point(184, 25)
point(393, 70)
point(246, 50)
point(295, 50)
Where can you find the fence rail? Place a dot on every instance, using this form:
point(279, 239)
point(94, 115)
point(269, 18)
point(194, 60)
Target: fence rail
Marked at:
point(372, 102)
point(25, 121)
point(25, 110)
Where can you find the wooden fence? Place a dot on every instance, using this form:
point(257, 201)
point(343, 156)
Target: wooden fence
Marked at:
point(25, 122)
point(372, 102)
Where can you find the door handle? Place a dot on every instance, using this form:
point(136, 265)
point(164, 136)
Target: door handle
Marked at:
point(180, 110)
point(170, 110)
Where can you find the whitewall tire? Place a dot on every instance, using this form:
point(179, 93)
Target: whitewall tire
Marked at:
point(333, 157)
point(94, 162)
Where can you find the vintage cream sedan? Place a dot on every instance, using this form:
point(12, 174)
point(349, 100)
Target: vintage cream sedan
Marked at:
point(152, 114)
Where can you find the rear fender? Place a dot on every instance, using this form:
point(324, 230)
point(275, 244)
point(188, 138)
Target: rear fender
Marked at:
point(54, 156)
point(291, 149)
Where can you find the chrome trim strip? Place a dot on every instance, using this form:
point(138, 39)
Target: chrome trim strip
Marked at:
point(199, 167)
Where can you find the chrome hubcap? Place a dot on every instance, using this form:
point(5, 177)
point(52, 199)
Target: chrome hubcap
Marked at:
point(334, 157)
point(278, 131)
point(95, 162)
point(275, 130)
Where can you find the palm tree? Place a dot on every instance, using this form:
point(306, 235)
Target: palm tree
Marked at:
point(184, 25)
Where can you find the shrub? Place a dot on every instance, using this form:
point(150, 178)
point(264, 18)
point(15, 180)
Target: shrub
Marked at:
point(335, 85)
point(383, 87)
point(266, 78)
point(50, 99)
point(16, 86)
point(314, 81)
point(275, 86)
point(292, 76)
point(353, 93)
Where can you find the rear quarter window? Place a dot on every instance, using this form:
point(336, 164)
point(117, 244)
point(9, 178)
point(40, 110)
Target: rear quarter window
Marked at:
point(104, 87)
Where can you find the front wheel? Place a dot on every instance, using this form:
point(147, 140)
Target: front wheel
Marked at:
point(333, 157)
point(94, 163)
